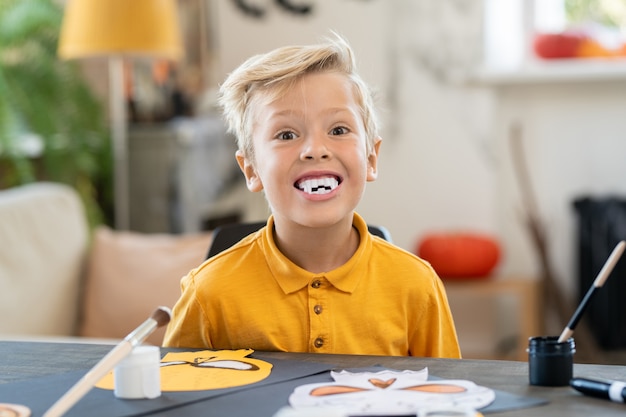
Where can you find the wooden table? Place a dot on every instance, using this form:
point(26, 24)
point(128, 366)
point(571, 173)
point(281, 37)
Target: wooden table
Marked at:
point(17, 364)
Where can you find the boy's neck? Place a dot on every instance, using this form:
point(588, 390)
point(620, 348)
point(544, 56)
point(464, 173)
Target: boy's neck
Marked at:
point(317, 250)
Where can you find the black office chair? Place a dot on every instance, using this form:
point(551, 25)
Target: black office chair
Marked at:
point(226, 236)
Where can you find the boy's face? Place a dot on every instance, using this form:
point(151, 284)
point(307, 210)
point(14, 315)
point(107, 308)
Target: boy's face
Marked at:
point(309, 152)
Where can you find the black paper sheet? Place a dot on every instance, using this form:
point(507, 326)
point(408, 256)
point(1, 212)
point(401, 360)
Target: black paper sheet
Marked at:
point(39, 394)
point(261, 399)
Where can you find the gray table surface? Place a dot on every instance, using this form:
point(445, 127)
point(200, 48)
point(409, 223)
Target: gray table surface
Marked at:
point(21, 361)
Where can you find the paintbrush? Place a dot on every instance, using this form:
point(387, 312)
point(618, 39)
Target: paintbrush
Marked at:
point(597, 283)
point(160, 317)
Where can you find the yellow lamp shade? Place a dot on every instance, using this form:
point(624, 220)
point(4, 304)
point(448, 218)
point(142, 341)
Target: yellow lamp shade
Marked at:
point(120, 27)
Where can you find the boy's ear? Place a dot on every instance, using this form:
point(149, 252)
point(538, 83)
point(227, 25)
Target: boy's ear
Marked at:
point(372, 161)
point(253, 182)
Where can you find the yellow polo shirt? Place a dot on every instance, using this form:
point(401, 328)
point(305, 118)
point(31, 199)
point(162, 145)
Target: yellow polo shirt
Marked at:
point(383, 301)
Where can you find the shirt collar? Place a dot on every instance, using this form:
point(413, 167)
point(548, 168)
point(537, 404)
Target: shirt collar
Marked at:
point(292, 278)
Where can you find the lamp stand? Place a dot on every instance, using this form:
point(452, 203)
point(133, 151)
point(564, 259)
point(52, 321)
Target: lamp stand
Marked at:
point(119, 134)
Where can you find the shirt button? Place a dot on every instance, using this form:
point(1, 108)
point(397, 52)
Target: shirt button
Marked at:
point(316, 284)
point(319, 342)
point(318, 309)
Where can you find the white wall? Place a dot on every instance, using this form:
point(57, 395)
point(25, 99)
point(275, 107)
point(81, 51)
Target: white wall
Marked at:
point(239, 36)
point(574, 135)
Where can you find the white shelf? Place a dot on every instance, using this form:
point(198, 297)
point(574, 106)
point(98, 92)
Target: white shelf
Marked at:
point(554, 71)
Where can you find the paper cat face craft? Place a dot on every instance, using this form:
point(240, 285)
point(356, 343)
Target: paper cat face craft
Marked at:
point(205, 370)
point(402, 392)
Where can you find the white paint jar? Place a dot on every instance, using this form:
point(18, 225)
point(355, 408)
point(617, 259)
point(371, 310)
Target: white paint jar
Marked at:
point(138, 375)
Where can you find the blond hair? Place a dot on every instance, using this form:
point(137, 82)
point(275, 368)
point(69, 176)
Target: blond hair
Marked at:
point(267, 76)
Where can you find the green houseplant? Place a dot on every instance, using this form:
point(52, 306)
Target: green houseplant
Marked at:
point(52, 126)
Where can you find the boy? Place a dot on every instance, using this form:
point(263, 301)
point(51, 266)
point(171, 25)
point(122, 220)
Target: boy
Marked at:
point(313, 279)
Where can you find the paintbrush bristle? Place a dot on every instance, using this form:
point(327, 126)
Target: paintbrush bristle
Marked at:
point(162, 316)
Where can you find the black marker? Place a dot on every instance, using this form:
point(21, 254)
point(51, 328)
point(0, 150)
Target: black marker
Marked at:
point(607, 389)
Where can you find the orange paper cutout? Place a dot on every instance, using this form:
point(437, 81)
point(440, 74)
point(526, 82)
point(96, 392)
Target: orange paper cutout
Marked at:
point(206, 370)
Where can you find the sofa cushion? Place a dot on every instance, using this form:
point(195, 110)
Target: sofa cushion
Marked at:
point(130, 274)
point(44, 240)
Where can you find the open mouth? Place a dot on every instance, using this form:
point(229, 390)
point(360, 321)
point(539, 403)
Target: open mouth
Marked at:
point(321, 185)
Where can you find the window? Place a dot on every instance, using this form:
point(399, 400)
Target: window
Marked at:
point(515, 30)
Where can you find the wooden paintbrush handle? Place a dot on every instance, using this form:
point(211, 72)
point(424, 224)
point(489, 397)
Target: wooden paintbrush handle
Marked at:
point(86, 383)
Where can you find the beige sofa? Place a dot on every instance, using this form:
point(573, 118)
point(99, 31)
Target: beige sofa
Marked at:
point(57, 279)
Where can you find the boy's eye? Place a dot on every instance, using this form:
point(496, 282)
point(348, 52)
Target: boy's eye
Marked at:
point(339, 130)
point(286, 135)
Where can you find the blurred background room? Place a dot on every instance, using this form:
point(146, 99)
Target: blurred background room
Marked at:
point(503, 120)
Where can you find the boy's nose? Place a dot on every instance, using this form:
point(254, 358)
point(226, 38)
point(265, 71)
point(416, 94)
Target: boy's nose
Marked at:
point(315, 148)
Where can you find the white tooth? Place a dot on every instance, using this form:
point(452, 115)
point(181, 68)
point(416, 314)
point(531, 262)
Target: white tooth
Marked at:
point(322, 185)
